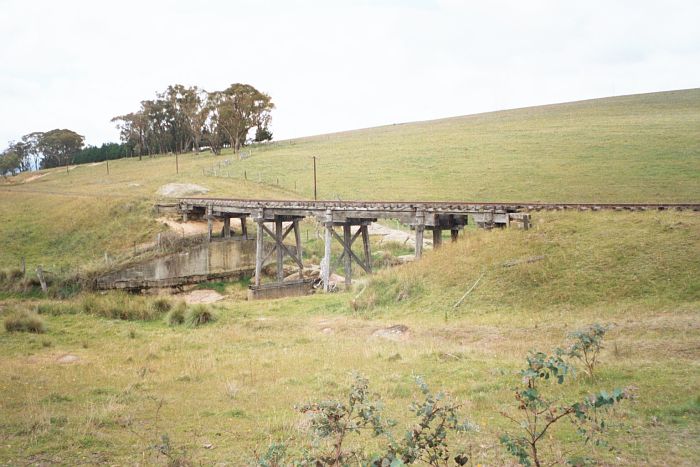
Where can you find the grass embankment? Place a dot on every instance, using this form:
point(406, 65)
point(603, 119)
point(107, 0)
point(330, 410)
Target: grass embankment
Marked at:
point(226, 389)
point(641, 148)
point(570, 260)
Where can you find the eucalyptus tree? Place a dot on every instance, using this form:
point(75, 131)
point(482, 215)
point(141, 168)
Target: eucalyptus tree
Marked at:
point(10, 162)
point(132, 131)
point(59, 147)
point(241, 108)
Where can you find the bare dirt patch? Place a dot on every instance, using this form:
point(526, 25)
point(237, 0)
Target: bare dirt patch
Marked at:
point(35, 177)
point(176, 190)
point(195, 227)
point(202, 296)
point(68, 358)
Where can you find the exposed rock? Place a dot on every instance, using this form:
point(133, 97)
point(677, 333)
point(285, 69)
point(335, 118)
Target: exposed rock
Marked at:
point(398, 332)
point(396, 236)
point(68, 358)
point(177, 190)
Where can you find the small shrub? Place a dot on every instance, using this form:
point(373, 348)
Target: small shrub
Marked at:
point(199, 315)
point(428, 440)
point(333, 421)
point(175, 456)
point(587, 345)
point(275, 456)
point(537, 413)
point(177, 314)
point(162, 305)
point(25, 321)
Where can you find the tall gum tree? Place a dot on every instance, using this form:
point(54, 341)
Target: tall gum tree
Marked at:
point(242, 107)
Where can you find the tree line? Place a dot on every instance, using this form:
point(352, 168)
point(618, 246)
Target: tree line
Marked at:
point(182, 118)
point(41, 150)
point(179, 119)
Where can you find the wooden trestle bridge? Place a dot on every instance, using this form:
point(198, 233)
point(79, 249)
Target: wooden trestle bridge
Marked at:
point(270, 217)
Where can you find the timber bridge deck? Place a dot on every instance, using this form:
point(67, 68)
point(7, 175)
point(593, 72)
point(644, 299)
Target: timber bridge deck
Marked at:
point(435, 216)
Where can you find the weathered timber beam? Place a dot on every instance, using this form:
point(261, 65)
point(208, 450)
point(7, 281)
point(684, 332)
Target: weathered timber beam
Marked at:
point(349, 251)
point(279, 246)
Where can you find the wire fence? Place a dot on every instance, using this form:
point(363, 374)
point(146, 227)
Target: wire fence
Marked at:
point(224, 169)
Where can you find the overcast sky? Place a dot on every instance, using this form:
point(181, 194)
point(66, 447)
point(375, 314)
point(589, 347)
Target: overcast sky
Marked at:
point(333, 66)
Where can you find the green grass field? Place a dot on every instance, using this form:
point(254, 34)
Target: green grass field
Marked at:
point(224, 391)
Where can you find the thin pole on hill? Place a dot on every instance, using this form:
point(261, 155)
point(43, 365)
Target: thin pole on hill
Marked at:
point(315, 194)
point(107, 166)
point(177, 165)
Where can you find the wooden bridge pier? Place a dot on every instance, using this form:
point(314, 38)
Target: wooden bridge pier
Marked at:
point(279, 234)
point(226, 231)
point(348, 256)
point(437, 223)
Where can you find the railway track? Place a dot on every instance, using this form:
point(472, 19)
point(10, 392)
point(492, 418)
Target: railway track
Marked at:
point(437, 206)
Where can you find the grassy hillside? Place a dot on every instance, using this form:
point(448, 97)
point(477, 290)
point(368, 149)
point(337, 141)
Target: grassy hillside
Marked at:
point(632, 148)
point(568, 260)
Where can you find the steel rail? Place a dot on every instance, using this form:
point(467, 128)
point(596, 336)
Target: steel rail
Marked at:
point(435, 206)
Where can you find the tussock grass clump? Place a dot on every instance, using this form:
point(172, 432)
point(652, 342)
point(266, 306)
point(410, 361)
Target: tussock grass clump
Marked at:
point(25, 321)
point(162, 305)
point(120, 305)
point(199, 315)
point(177, 314)
point(57, 308)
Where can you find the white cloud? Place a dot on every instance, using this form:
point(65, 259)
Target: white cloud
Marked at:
point(333, 66)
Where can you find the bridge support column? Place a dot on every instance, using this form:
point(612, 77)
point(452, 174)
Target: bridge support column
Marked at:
point(280, 252)
point(210, 222)
point(347, 266)
point(420, 229)
point(437, 237)
point(297, 239)
point(259, 249)
point(367, 246)
point(244, 228)
point(227, 227)
point(455, 234)
point(326, 264)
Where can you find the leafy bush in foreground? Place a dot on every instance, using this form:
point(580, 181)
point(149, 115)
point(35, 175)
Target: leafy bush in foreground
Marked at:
point(428, 440)
point(537, 413)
